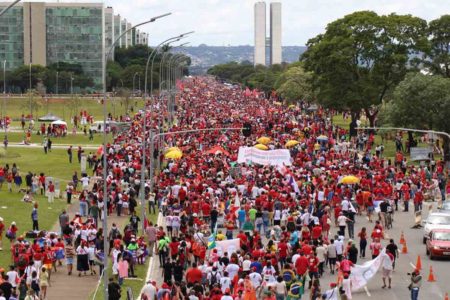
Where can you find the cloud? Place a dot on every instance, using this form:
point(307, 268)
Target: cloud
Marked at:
point(223, 22)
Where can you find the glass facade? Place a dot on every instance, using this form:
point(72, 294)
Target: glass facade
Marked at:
point(11, 38)
point(117, 29)
point(74, 34)
point(109, 28)
point(123, 25)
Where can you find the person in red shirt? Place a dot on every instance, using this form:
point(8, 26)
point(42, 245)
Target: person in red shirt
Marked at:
point(173, 246)
point(282, 252)
point(313, 262)
point(301, 265)
point(316, 232)
point(193, 275)
point(418, 200)
point(206, 211)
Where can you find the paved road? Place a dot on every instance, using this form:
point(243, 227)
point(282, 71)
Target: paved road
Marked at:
point(402, 222)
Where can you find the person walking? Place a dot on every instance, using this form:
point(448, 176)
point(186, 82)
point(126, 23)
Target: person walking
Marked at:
point(387, 268)
point(51, 192)
point(45, 145)
point(34, 217)
point(416, 283)
point(70, 153)
point(362, 242)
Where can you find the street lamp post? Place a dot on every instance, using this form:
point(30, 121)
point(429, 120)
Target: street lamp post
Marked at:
point(4, 96)
point(105, 162)
point(57, 78)
point(144, 121)
point(134, 77)
point(31, 109)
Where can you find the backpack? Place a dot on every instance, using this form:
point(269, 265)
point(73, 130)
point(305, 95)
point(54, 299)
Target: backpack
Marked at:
point(213, 279)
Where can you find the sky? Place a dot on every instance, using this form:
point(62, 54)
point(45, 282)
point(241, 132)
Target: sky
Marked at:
point(230, 22)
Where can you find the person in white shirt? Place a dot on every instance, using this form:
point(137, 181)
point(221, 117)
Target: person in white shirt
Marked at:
point(269, 273)
point(232, 269)
point(149, 291)
point(255, 279)
point(225, 282)
point(339, 247)
point(12, 275)
point(246, 264)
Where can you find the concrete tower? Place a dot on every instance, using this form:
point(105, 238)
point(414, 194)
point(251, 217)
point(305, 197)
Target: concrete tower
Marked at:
point(260, 33)
point(275, 33)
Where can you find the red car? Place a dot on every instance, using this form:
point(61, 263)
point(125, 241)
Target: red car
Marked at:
point(438, 243)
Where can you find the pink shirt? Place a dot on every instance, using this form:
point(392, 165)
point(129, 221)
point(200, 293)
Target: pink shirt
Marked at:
point(122, 267)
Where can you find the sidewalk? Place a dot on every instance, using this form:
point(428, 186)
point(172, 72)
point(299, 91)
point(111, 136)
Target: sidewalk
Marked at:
point(73, 287)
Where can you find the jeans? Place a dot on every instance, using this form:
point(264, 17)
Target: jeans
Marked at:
point(362, 248)
point(351, 229)
point(415, 294)
point(83, 209)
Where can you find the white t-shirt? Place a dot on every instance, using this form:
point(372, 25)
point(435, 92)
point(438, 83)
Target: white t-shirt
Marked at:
point(225, 283)
point(149, 290)
point(342, 220)
point(12, 275)
point(226, 297)
point(246, 265)
point(232, 270)
point(255, 279)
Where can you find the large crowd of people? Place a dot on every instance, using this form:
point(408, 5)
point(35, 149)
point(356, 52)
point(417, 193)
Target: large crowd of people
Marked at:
point(295, 223)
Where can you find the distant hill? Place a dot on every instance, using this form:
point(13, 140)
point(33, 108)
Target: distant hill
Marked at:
point(203, 56)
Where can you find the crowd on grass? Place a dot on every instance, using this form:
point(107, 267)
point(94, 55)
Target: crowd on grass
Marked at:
point(295, 223)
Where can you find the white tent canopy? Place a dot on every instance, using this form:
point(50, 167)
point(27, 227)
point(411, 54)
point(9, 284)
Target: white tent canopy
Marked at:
point(59, 122)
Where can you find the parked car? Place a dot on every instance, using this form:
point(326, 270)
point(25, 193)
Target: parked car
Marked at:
point(445, 207)
point(438, 243)
point(437, 220)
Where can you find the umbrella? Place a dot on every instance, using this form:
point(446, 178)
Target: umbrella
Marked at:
point(291, 143)
point(261, 147)
point(322, 138)
point(292, 106)
point(350, 179)
point(174, 154)
point(263, 140)
point(218, 150)
point(278, 103)
point(173, 149)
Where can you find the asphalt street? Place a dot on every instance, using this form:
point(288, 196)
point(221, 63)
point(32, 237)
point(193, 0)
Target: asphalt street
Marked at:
point(403, 221)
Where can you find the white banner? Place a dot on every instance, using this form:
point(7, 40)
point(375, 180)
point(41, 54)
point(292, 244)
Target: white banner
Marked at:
point(228, 246)
point(277, 157)
point(362, 274)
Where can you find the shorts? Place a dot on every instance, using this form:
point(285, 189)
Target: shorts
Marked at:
point(69, 260)
point(370, 209)
point(332, 260)
point(91, 263)
point(48, 266)
point(387, 273)
point(169, 228)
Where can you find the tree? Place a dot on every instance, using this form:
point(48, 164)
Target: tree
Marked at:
point(437, 58)
point(295, 84)
point(361, 58)
point(422, 102)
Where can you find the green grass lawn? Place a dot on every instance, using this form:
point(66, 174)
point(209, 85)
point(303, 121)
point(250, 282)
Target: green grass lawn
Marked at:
point(13, 209)
point(75, 140)
point(389, 145)
point(55, 164)
point(64, 108)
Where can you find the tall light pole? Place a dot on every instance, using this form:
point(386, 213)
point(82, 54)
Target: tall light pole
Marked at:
point(161, 63)
point(57, 90)
point(71, 85)
point(4, 96)
point(31, 109)
point(105, 161)
point(144, 121)
point(8, 7)
point(168, 41)
point(134, 77)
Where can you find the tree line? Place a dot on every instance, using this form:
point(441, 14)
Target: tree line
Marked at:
point(56, 78)
point(393, 68)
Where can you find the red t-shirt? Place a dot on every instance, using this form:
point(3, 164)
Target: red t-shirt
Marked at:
point(194, 275)
point(301, 265)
